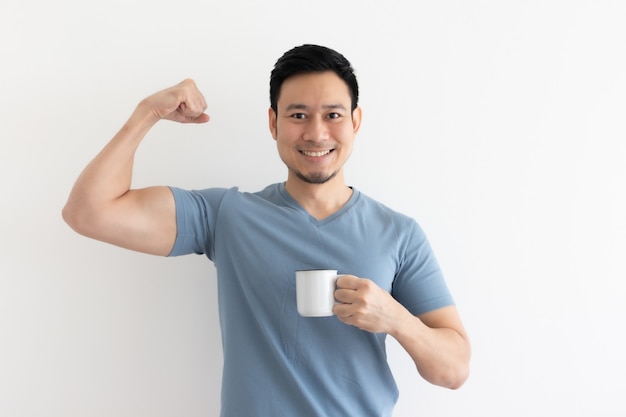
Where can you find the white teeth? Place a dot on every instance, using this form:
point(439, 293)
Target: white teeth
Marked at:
point(321, 153)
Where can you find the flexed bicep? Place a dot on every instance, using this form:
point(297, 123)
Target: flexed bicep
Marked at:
point(102, 204)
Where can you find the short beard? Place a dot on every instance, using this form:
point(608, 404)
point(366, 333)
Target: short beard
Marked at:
point(317, 178)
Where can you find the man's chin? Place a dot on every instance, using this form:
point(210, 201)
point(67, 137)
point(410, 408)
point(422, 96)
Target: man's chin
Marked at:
point(316, 178)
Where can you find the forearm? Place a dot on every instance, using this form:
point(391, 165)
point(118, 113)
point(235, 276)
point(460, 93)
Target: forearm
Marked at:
point(436, 341)
point(441, 354)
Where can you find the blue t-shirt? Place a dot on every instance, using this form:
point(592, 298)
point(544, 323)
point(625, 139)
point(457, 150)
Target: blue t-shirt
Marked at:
point(277, 363)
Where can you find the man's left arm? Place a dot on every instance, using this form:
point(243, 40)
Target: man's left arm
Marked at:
point(436, 341)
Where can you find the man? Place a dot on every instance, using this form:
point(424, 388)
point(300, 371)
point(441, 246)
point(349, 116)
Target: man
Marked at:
point(277, 363)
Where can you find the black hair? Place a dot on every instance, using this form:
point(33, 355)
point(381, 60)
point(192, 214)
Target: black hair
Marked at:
point(310, 59)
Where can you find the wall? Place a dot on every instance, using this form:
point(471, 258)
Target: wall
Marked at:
point(499, 125)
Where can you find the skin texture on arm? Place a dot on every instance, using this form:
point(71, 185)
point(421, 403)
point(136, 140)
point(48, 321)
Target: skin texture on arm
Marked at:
point(436, 341)
point(102, 204)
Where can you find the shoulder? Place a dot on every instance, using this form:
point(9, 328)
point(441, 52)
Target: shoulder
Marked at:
point(217, 198)
point(376, 209)
point(205, 193)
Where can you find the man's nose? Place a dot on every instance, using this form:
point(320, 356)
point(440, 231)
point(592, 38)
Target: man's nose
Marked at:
point(316, 131)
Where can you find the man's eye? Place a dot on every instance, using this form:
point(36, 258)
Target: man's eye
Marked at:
point(298, 116)
point(334, 115)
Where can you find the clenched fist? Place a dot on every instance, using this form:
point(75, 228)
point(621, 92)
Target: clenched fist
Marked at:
point(182, 103)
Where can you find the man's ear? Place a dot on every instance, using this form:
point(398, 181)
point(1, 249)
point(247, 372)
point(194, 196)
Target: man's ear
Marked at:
point(357, 115)
point(272, 121)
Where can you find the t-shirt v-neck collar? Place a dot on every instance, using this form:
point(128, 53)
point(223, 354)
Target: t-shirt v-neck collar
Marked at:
point(294, 204)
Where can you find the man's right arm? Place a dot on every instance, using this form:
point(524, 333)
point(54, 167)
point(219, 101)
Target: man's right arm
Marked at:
point(102, 204)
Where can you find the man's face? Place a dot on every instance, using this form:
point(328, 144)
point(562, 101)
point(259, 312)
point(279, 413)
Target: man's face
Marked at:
point(315, 127)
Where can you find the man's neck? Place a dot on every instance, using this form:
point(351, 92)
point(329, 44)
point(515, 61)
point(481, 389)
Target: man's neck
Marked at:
point(320, 200)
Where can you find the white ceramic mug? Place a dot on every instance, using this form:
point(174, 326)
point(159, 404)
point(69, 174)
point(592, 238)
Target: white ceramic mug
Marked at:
point(315, 292)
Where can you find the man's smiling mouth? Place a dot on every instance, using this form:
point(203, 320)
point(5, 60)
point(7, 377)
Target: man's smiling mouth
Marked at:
point(316, 153)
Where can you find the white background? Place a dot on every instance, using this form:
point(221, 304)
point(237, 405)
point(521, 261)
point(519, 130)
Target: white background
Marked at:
point(498, 125)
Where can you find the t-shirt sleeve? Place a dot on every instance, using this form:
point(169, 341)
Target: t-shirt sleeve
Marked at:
point(419, 284)
point(196, 216)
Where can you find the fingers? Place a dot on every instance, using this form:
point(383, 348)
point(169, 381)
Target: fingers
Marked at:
point(363, 304)
point(351, 292)
point(351, 289)
point(189, 114)
point(182, 103)
point(191, 104)
point(348, 281)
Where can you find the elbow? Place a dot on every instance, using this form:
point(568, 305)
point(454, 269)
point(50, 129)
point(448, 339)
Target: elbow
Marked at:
point(457, 380)
point(459, 370)
point(457, 374)
point(77, 217)
point(453, 378)
point(71, 216)
point(451, 375)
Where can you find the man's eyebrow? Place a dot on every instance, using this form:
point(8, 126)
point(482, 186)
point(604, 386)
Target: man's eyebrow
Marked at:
point(300, 106)
point(296, 106)
point(333, 106)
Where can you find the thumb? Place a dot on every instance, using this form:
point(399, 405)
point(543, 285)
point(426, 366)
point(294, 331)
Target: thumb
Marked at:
point(201, 118)
point(186, 114)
